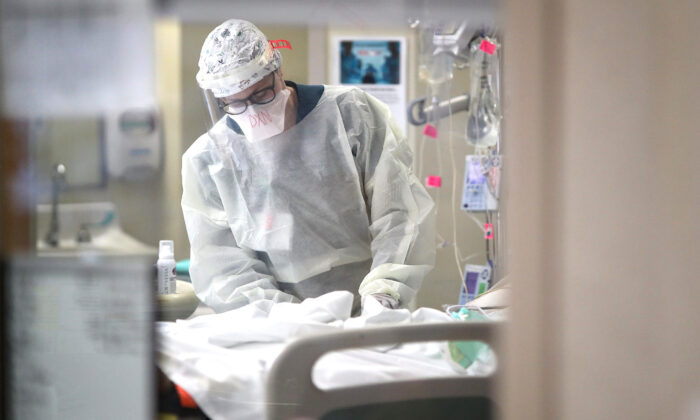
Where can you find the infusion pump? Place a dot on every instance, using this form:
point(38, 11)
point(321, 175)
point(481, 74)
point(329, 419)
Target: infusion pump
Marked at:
point(480, 192)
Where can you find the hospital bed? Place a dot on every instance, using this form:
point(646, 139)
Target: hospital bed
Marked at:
point(327, 371)
point(292, 394)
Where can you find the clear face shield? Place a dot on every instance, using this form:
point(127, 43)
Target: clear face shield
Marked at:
point(240, 104)
point(214, 107)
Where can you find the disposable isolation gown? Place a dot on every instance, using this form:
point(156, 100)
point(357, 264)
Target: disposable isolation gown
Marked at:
point(330, 204)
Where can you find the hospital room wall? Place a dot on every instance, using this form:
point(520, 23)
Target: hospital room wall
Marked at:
point(606, 196)
point(442, 285)
point(311, 45)
point(148, 209)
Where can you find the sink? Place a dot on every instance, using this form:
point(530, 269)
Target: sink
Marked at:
point(101, 221)
point(111, 241)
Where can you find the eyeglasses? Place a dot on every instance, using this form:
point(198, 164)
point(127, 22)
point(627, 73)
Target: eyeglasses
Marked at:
point(259, 97)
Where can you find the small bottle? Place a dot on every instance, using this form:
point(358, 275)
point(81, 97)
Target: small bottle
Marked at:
point(166, 268)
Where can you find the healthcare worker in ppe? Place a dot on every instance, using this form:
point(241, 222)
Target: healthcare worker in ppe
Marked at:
point(298, 190)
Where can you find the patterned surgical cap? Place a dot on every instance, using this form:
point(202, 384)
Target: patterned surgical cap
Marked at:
point(235, 56)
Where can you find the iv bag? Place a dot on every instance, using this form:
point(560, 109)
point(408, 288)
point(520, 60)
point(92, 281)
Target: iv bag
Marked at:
point(483, 123)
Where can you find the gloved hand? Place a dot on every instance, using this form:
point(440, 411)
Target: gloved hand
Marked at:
point(386, 300)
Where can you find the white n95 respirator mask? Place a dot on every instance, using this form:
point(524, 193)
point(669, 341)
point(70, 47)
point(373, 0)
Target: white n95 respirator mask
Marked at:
point(259, 122)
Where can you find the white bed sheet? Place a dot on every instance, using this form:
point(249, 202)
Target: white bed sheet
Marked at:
point(222, 359)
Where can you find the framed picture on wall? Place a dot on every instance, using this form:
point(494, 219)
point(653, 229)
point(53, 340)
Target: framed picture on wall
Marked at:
point(375, 65)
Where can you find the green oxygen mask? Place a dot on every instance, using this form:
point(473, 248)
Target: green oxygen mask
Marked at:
point(463, 353)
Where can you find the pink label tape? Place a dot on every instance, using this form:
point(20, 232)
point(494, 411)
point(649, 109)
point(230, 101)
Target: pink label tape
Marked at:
point(488, 230)
point(433, 181)
point(487, 47)
point(430, 131)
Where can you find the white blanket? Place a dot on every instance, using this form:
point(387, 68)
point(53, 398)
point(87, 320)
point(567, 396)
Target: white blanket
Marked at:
point(222, 359)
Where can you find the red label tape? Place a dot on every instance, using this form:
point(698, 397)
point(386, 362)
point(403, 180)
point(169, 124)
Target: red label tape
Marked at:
point(280, 43)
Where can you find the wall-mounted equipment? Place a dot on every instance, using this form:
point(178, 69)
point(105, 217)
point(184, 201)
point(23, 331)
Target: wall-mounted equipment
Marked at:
point(133, 139)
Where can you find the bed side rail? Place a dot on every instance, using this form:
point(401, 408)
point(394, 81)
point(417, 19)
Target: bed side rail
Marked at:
point(291, 392)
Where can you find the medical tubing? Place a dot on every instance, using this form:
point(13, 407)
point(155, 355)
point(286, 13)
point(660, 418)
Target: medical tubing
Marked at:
point(439, 190)
point(477, 221)
point(439, 156)
point(478, 308)
point(488, 247)
point(440, 238)
point(487, 173)
point(420, 157)
point(469, 257)
point(492, 241)
point(439, 161)
point(493, 216)
point(457, 252)
point(431, 94)
point(424, 140)
point(497, 241)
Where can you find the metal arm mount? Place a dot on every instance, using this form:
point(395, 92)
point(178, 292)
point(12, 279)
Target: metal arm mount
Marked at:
point(419, 114)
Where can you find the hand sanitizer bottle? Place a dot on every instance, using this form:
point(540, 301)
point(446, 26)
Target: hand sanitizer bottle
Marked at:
point(166, 268)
